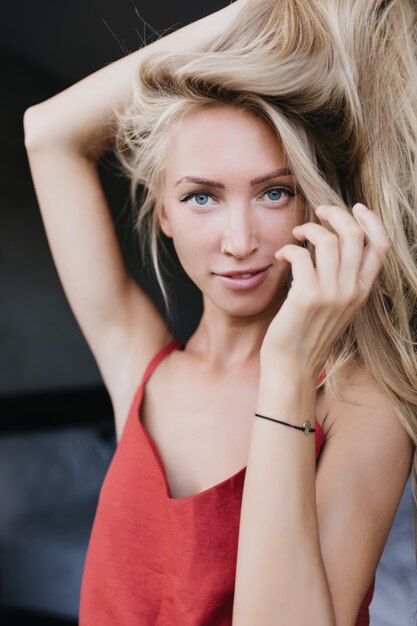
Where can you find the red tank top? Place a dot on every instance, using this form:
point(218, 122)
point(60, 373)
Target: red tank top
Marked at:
point(157, 561)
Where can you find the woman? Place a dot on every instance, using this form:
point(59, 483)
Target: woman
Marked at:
point(269, 137)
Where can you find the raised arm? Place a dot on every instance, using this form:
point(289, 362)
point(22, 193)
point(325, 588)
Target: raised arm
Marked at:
point(310, 538)
point(65, 136)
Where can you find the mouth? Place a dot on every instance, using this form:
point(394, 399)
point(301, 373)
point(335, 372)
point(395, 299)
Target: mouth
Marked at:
point(244, 280)
point(243, 273)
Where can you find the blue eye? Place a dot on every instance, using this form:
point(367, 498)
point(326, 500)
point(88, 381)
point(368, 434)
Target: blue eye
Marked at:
point(276, 193)
point(200, 198)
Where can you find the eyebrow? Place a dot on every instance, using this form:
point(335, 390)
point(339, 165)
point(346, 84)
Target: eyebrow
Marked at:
point(284, 171)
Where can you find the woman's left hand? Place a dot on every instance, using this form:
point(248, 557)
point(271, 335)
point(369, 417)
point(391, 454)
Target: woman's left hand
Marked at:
point(322, 300)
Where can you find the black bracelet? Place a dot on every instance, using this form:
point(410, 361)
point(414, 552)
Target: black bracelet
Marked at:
point(306, 427)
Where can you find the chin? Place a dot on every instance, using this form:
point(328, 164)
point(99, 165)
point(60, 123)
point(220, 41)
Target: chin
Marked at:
point(248, 306)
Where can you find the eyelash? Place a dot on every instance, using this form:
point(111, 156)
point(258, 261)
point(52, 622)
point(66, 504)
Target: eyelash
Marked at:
point(189, 196)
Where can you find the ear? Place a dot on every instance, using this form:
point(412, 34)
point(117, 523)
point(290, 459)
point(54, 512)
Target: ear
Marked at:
point(164, 221)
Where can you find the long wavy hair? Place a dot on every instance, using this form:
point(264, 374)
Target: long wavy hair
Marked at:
point(336, 80)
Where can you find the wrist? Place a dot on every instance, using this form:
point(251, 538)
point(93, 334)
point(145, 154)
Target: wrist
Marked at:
point(290, 371)
point(287, 392)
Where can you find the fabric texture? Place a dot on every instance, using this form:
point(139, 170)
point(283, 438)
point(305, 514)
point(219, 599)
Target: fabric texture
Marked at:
point(157, 561)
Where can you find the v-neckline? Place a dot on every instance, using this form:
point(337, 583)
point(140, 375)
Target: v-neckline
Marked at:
point(176, 343)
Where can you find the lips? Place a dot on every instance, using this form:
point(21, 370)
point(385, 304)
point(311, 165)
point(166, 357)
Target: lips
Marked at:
point(243, 273)
point(248, 279)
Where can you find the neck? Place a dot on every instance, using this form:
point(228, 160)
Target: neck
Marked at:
point(224, 341)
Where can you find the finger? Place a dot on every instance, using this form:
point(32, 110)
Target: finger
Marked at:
point(351, 243)
point(327, 253)
point(377, 247)
point(302, 268)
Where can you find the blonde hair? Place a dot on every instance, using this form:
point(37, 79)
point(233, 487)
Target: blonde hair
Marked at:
point(336, 79)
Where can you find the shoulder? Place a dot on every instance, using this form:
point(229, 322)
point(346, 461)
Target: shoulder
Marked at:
point(364, 412)
point(361, 475)
point(145, 356)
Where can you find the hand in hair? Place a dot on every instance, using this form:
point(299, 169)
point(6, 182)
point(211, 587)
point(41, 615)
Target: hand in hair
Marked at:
point(325, 295)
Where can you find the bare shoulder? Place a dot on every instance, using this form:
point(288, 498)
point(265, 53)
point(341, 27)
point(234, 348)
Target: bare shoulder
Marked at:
point(365, 408)
point(147, 334)
point(361, 474)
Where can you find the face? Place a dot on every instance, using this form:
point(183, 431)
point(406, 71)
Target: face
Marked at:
point(227, 183)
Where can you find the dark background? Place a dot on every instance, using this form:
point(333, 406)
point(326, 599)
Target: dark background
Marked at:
point(56, 423)
point(56, 427)
point(45, 47)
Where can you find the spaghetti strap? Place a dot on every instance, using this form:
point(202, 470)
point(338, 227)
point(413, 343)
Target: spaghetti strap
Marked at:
point(140, 531)
point(172, 345)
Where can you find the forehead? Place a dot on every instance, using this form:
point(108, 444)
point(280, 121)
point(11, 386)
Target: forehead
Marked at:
point(223, 139)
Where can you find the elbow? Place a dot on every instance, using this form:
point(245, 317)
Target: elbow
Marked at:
point(32, 126)
point(38, 127)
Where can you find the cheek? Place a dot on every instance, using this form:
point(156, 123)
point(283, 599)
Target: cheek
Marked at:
point(186, 248)
point(276, 230)
point(191, 233)
point(190, 244)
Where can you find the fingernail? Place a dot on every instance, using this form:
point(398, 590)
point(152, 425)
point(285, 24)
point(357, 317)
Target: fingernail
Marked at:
point(360, 207)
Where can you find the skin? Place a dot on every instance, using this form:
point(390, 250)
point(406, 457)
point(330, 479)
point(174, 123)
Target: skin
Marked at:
point(262, 224)
point(239, 330)
point(292, 333)
point(232, 147)
point(125, 331)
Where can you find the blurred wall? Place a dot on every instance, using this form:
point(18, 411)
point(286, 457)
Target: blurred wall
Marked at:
point(41, 344)
point(45, 47)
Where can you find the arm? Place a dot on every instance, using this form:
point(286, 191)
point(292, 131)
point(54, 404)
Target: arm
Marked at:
point(289, 566)
point(310, 540)
point(65, 136)
point(80, 118)
point(280, 577)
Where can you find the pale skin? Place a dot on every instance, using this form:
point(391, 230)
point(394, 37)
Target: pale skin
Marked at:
point(239, 359)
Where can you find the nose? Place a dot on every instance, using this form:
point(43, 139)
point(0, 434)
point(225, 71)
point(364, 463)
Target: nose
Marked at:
point(240, 237)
